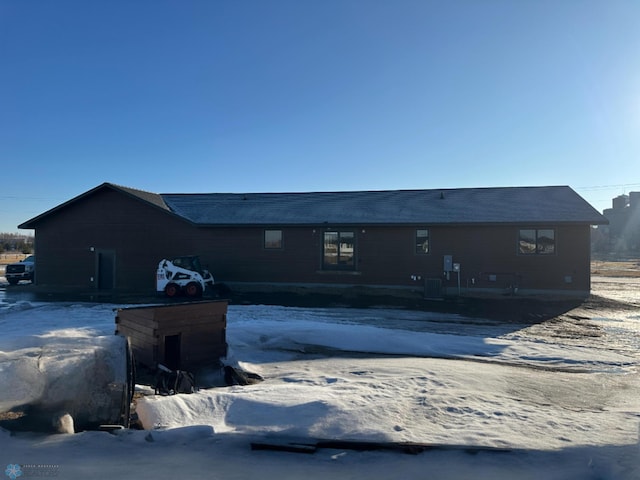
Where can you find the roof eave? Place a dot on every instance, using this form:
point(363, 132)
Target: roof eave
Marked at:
point(390, 224)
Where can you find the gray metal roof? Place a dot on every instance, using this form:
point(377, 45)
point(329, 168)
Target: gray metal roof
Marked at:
point(153, 198)
point(521, 205)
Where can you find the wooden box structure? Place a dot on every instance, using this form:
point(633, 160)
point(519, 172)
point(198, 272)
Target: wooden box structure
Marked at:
point(180, 336)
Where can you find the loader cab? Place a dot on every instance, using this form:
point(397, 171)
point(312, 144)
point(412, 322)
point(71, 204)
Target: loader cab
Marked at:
point(189, 262)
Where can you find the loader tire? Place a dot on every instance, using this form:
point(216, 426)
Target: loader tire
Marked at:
point(193, 290)
point(171, 290)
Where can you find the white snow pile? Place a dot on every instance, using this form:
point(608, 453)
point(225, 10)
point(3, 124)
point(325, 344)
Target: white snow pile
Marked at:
point(548, 400)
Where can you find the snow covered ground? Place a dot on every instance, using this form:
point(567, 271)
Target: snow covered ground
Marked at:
point(554, 400)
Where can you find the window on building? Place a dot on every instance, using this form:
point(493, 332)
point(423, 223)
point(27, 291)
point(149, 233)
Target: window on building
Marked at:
point(533, 241)
point(339, 250)
point(422, 241)
point(272, 239)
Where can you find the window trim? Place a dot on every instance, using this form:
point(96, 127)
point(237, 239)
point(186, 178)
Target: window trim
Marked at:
point(417, 246)
point(266, 244)
point(338, 267)
point(538, 251)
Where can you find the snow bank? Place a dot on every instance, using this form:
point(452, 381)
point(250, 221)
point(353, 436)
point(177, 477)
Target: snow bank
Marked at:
point(567, 407)
point(65, 372)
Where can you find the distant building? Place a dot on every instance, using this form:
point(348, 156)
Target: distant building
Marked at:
point(533, 240)
point(624, 223)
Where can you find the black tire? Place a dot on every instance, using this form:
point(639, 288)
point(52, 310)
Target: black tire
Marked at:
point(193, 290)
point(171, 290)
point(12, 281)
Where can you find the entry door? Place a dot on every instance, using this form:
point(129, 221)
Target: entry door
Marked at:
point(106, 269)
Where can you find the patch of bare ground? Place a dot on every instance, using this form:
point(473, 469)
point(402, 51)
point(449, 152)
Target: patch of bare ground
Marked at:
point(7, 258)
point(615, 287)
point(616, 268)
point(615, 292)
point(597, 302)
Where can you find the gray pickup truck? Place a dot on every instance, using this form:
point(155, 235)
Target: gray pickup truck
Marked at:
point(24, 270)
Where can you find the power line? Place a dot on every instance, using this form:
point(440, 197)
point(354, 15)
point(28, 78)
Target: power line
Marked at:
point(601, 187)
point(20, 197)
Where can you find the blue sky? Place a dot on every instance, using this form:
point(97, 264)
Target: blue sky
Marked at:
point(310, 95)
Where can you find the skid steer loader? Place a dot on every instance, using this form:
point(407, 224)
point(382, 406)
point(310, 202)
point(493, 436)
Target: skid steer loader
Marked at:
point(182, 275)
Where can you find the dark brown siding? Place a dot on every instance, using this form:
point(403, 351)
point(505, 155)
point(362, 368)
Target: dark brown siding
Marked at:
point(386, 257)
point(138, 235)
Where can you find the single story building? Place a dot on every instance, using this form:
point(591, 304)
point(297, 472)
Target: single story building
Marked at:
point(533, 240)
